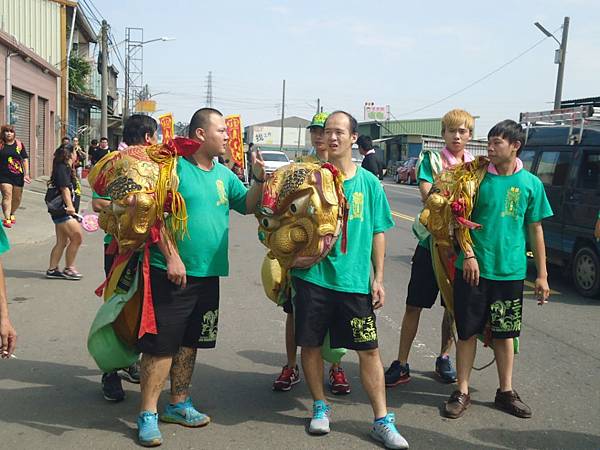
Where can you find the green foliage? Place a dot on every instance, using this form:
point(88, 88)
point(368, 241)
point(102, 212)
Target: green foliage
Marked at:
point(79, 72)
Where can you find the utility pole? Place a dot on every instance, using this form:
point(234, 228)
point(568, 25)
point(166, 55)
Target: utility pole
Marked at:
point(104, 80)
point(561, 55)
point(209, 90)
point(318, 105)
point(282, 116)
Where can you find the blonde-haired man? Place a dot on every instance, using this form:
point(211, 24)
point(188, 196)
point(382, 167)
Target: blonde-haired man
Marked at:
point(457, 130)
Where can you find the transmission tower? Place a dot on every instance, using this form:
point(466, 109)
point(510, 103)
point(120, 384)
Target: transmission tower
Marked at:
point(134, 67)
point(209, 90)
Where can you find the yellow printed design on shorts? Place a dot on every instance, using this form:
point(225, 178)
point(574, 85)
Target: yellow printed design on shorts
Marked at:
point(210, 325)
point(222, 194)
point(357, 206)
point(363, 329)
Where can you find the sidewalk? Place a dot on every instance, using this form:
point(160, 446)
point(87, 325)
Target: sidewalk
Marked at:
point(33, 221)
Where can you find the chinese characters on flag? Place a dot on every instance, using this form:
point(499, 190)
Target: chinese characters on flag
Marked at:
point(236, 144)
point(167, 126)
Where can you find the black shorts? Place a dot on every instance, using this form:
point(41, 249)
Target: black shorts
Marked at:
point(422, 287)
point(15, 180)
point(185, 317)
point(498, 302)
point(348, 317)
point(108, 260)
point(288, 307)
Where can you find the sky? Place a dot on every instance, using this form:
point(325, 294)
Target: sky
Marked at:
point(408, 55)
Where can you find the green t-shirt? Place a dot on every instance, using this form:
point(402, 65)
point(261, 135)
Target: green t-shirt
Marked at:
point(208, 195)
point(425, 173)
point(504, 207)
point(369, 214)
point(4, 245)
point(107, 237)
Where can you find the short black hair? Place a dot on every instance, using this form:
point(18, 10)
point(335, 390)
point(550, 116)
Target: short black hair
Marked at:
point(104, 139)
point(509, 130)
point(353, 122)
point(94, 141)
point(365, 142)
point(200, 120)
point(136, 127)
point(66, 138)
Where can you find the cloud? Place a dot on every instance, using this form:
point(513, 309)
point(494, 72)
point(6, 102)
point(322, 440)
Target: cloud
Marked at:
point(279, 9)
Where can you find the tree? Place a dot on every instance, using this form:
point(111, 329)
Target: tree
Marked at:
point(79, 72)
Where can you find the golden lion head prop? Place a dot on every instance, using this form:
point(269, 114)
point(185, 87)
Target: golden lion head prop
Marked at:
point(302, 213)
point(450, 203)
point(142, 184)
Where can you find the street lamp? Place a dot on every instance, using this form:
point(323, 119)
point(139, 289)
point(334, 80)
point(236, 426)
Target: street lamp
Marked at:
point(559, 57)
point(137, 60)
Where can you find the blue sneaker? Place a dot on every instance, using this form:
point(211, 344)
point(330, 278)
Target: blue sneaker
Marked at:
point(444, 369)
point(184, 413)
point(397, 374)
point(319, 424)
point(148, 432)
point(384, 430)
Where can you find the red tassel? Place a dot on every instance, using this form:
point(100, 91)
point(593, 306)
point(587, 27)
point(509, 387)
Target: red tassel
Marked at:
point(148, 319)
point(467, 223)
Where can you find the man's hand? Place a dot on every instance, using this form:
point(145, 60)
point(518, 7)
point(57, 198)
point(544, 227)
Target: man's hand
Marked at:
point(8, 338)
point(542, 290)
point(258, 165)
point(471, 271)
point(378, 294)
point(27, 179)
point(176, 270)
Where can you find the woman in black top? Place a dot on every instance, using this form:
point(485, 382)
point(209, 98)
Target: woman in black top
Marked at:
point(14, 173)
point(68, 231)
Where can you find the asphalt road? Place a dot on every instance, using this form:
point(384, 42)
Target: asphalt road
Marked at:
point(50, 395)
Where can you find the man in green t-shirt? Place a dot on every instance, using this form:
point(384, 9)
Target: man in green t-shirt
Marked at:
point(290, 375)
point(457, 130)
point(338, 296)
point(139, 129)
point(8, 335)
point(185, 277)
point(488, 286)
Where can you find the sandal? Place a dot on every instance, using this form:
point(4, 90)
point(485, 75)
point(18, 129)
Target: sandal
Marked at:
point(13, 219)
point(6, 223)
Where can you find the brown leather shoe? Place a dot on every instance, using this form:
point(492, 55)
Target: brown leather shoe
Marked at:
point(457, 404)
point(511, 403)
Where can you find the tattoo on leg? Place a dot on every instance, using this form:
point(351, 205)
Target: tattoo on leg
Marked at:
point(182, 370)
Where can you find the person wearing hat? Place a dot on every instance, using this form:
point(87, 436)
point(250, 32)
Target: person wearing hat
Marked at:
point(290, 374)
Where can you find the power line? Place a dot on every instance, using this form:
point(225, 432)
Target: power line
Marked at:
point(479, 80)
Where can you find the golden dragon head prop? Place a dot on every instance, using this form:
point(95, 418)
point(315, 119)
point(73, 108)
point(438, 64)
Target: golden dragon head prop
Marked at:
point(142, 184)
point(302, 213)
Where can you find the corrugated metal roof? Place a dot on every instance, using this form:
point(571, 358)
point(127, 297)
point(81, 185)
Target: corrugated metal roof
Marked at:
point(432, 127)
point(35, 24)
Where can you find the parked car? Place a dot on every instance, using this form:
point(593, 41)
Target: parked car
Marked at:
point(406, 172)
point(274, 160)
point(571, 177)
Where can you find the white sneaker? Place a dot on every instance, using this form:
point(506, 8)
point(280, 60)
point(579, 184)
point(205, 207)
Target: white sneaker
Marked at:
point(387, 433)
point(319, 424)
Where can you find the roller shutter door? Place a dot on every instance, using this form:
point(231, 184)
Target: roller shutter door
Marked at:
point(23, 124)
point(41, 137)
